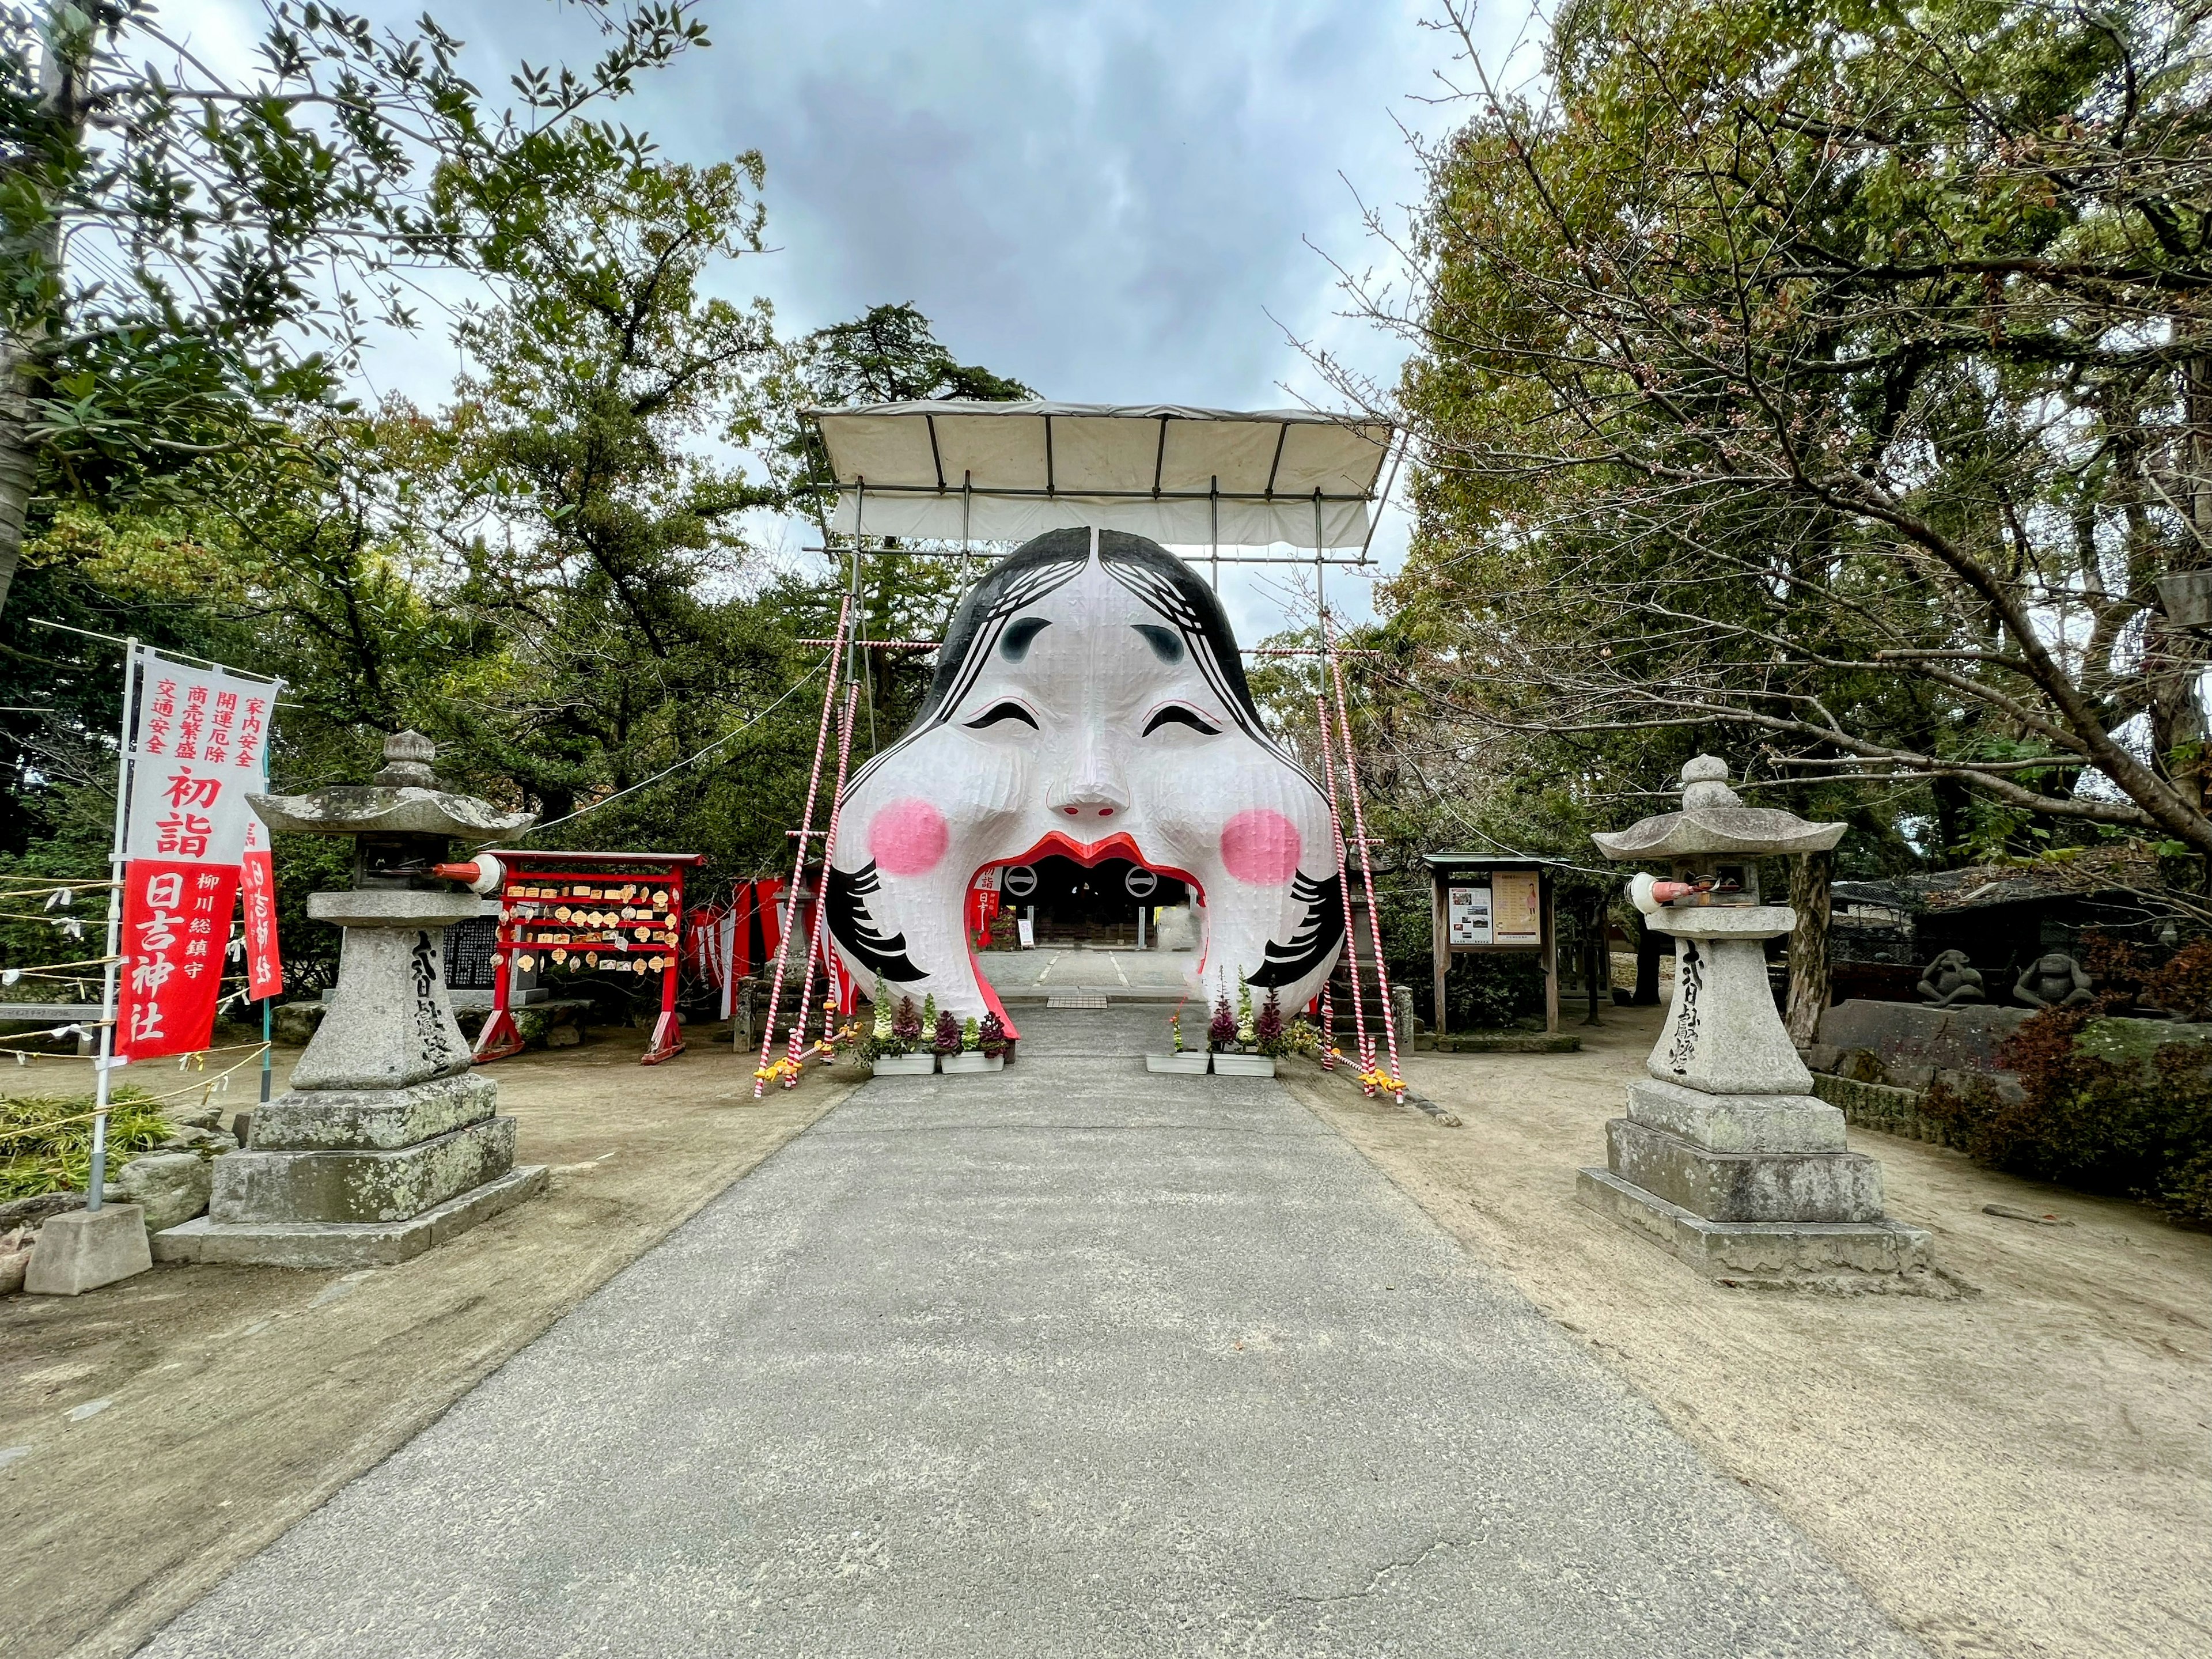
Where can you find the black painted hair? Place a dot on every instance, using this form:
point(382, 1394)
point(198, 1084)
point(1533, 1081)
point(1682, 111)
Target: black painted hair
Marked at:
point(1164, 583)
point(1154, 575)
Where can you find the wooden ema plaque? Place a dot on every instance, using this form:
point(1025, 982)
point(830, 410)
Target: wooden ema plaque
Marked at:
point(598, 913)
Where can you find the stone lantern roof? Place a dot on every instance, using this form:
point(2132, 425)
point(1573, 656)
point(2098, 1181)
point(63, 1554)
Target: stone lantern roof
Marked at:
point(402, 798)
point(1714, 819)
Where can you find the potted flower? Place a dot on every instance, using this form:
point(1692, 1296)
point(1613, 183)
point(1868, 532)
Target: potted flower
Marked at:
point(897, 1045)
point(967, 1053)
point(1237, 1053)
point(991, 1037)
point(1269, 1035)
point(1188, 1062)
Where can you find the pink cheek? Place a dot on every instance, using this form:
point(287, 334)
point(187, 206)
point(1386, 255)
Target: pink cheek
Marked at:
point(1260, 847)
point(908, 838)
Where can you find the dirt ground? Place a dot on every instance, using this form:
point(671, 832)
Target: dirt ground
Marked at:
point(2021, 1472)
point(154, 1434)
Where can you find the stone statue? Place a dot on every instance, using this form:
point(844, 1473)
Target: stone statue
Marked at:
point(1951, 980)
point(2056, 981)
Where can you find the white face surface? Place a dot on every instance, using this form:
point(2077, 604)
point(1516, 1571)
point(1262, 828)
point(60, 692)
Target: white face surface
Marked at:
point(1087, 725)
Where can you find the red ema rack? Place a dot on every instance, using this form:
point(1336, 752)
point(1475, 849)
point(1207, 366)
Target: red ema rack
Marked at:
point(619, 913)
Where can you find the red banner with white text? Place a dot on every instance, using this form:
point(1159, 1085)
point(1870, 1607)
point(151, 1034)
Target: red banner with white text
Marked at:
point(176, 920)
point(257, 887)
point(198, 747)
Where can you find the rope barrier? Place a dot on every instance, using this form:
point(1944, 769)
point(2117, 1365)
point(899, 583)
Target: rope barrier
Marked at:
point(204, 1089)
point(53, 969)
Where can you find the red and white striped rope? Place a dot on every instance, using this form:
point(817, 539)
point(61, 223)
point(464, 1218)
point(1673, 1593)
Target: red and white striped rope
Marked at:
point(1344, 893)
point(1366, 873)
point(806, 829)
point(818, 945)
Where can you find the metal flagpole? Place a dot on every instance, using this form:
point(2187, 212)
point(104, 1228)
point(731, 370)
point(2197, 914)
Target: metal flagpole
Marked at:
point(98, 1180)
point(1213, 503)
point(1321, 600)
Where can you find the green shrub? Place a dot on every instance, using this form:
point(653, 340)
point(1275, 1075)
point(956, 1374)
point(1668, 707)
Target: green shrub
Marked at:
point(2131, 1131)
point(46, 1140)
point(1494, 993)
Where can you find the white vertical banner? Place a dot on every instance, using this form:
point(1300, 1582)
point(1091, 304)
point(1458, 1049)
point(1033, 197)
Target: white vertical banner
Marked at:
point(197, 754)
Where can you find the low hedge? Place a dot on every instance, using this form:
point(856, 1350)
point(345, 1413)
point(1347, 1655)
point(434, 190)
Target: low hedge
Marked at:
point(2134, 1130)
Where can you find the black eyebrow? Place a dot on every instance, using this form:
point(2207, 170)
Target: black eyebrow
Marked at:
point(1166, 643)
point(999, 713)
point(1176, 714)
point(1014, 643)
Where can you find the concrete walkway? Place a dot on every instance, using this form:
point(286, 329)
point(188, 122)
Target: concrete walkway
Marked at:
point(1073, 1360)
point(1124, 976)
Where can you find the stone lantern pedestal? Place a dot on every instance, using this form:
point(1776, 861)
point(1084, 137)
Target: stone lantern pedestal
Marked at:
point(386, 1143)
point(1726, 1156)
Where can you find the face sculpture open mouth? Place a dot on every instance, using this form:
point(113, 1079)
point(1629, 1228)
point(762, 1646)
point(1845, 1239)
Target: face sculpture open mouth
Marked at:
point(1088, 701)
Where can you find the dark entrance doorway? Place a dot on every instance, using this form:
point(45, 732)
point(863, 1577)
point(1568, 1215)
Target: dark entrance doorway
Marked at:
point(1095, 906)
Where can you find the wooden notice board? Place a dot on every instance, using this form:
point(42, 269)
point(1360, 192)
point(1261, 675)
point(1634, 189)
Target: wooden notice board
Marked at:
point(1485, 904)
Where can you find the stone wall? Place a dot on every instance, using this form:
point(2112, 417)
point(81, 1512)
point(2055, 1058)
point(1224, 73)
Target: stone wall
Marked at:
point(1891, 1110)
point(1909, 1044)
point(1875, 1060)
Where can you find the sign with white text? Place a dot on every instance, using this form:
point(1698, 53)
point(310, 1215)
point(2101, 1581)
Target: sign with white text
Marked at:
point(257, 886)
point(198, 747)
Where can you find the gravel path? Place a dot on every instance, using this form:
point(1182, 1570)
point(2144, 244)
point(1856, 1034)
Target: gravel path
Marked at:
point(1071, 1361)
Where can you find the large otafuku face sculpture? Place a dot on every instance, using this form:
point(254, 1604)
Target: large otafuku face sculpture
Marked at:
point(1089, 701)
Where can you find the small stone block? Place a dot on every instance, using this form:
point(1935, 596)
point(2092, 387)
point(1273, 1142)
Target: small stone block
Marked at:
point(1746, 1186)
point(1737, 1123)
point(310, 1244)
point(1760, 1250)
point(84, 1249)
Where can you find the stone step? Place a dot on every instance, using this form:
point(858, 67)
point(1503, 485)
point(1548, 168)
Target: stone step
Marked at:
point(1745, 1186)
point(346, 1243)
point(360, 1186)
point(371, 1120)
point(1737, 1123)
point(1766, 1252)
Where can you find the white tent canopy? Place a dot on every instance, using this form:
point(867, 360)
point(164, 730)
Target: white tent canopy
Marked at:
point(983, 471)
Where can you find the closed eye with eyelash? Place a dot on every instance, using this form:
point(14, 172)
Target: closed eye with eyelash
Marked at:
point(1177, 714)
point(1000, 713)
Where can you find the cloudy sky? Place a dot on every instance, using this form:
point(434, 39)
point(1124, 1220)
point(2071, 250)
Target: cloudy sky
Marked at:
point(1112, 200)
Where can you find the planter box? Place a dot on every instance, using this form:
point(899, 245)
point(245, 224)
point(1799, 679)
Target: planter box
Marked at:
point(904, 1065)
point(1243, 1065)
point(971, 1062)
point(1191, 1062)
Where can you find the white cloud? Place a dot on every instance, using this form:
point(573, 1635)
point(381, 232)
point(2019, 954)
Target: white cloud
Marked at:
point(1108, 199)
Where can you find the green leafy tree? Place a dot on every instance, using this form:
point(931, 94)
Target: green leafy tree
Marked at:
point(185, 255)
point(1829, 386)
point(889, 354)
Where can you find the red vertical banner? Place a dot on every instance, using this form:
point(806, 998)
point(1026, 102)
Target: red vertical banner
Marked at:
point(257, 886)
point(198, 747)
point(176, 920)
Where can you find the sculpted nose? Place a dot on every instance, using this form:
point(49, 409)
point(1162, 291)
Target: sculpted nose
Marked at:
point(1089, 798)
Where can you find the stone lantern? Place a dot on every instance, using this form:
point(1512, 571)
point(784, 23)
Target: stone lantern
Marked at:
point(386, 1143)
point(1726, 1156)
